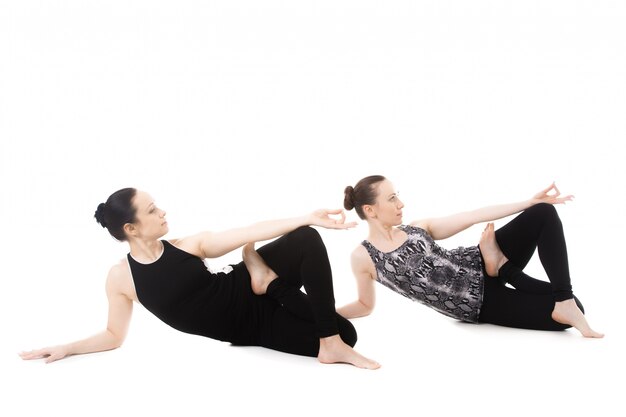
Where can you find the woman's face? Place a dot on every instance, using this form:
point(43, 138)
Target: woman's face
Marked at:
point(388, 206)
point(150, 220)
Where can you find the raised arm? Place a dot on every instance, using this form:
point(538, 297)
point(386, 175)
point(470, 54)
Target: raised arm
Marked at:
point(216, 244)
point(362, 268)
point(444, 227)
point(120, 312)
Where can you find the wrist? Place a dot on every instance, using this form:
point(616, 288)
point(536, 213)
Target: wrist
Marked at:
point(306, 220)
point(67, 349)
point(530, 202)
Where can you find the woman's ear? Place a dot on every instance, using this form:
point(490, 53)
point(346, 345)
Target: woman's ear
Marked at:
point(130, 229)
point(369, 211)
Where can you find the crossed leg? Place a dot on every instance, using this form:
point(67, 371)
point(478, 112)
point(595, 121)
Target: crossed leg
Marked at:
point(301, 260)
point(521, 236)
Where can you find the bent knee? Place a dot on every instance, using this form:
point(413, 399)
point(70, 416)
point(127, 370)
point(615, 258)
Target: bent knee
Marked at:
point(544, 211)
point(305, 233)
point(545, 208)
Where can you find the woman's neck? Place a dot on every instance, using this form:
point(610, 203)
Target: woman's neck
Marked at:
point(145, 250)
point(380, 232)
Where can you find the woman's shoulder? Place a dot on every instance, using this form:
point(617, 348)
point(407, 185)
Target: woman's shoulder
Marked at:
point(364, 251)
point(119, 279)
point(191, 244)
point(415, 228)
point(119, 269)
point(361, 259)
point(360, 252)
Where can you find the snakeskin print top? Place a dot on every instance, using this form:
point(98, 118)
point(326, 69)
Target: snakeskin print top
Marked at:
point(449, 281)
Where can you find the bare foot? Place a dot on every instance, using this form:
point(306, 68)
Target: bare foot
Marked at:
point(492, 255)
point(567, 312)
point(260, 274)
point(334, 350)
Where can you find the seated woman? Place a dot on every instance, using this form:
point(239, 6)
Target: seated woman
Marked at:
point(170, 279)
point(466, 283)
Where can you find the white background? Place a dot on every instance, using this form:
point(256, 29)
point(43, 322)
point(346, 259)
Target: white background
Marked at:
point(231, 112)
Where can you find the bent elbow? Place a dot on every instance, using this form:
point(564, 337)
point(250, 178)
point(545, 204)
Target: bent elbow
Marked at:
point(366, 309)
point(115, 341)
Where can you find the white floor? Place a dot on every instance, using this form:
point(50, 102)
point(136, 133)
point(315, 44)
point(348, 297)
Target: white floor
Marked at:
point(234, 112)
point(429, 364)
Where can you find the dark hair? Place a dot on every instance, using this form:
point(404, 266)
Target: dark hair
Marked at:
point(116, 212)
point(362, 193)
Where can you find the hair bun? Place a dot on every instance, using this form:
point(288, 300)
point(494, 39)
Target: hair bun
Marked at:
point(348, 199)
point(99, 215)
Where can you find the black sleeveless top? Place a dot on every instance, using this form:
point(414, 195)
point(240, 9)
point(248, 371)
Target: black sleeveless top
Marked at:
point(180, 290)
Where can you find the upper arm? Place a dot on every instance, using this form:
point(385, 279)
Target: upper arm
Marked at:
point(444, 227)
point(364, 270)
point(422, 224)
point(120, 302)
point(212, 244)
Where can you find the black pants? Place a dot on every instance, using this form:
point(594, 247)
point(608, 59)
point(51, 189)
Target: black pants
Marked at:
point(300, 260)
point(530, 304)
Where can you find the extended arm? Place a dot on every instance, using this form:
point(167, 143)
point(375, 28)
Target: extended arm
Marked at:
point(444, 227)
point(216, 244)
point(120, 312)
point(364, 305)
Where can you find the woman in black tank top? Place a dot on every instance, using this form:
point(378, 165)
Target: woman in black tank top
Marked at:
point(259, 302)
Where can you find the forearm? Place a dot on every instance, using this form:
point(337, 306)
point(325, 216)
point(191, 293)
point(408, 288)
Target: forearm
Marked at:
point(213, 245)
point(270, 229)
point(490, 213)
point(444, 227)
point(99, 342)
point(354, 310)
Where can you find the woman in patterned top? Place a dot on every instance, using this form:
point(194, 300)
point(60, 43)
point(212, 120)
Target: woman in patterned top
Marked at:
point(468, 284)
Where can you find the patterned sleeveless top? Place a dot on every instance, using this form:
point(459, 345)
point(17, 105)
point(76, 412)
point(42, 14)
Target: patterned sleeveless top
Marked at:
point(449, 281)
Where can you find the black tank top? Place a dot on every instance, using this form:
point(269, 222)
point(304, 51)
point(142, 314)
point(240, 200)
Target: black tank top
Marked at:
point(180, 290)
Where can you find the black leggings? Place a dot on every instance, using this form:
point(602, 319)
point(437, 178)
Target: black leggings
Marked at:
point(530, 304)
point(300, 260)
